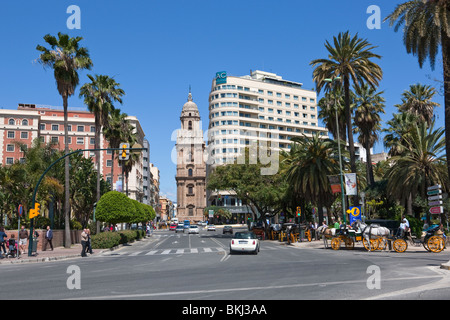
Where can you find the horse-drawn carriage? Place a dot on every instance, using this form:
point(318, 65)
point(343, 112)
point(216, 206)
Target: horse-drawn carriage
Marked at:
point(259, 232)
point(373, 237)
point(432, 240)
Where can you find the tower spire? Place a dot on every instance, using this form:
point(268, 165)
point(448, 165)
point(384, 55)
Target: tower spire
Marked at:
point(190, 94)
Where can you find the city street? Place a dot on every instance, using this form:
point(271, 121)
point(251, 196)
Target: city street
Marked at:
point(170, 266)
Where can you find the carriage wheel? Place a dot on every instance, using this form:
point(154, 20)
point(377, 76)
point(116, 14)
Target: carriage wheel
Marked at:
point(425, 244)
point(436, 244)
point(373, 244)
point(335, 243)
point(381, 244)
point(400, 245)
point(349, 243)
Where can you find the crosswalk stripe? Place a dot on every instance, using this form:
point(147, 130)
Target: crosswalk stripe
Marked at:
point(151, 252)
point(179, 251)
point(135, 253)
point(207, 250)
point(194, 250)
point(166, 251)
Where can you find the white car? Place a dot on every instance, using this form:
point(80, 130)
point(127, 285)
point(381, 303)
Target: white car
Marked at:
point(244, 242)
point(194, 229)
point(211, 227)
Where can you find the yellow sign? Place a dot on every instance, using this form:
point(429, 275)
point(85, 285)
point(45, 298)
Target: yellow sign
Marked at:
point(354, 211)
point(36, 211)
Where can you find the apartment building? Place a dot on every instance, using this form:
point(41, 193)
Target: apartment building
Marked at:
point(260, 107)
point(31, 121)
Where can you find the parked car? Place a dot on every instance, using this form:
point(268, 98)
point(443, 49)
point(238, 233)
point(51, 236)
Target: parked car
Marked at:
point(194, 229)
point(211, 227)
point(228, 229)
point(180, 228)
point(244, 242)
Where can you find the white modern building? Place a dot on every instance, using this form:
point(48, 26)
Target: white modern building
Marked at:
point(261, 107)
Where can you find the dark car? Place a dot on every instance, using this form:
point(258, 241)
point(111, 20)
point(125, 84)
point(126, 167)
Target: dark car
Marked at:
point(180, 228)
point(228, 229)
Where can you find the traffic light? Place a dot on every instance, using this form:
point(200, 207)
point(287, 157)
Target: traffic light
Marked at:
point(125, 153)
point(36, 211)
point(299, 211)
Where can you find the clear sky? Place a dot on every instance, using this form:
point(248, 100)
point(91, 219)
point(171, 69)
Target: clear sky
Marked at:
point(156, 49)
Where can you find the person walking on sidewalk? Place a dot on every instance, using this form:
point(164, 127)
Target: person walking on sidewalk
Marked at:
point(88, 244)
point(84, 239)
point(3, 237)
point(23, 236)
point(48, 239)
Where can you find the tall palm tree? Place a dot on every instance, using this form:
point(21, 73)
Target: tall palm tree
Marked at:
point(426, 30)
point(420, 165)
point(350, 59)
point(369, 105)
point(418, 101)
point(310, 161)
point(398, 129)
point(116, 131)
point(99, 96)
point(66, 58)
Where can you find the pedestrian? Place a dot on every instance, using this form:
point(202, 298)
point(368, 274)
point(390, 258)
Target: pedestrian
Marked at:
point(3, 237)
point(84, 238)
point(88, 244)
point(23, 236)
point(48, 239)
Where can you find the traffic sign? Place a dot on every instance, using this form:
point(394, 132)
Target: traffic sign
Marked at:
point(433, 192)
point(20, 210)
point(438, 186)
point(438, 197)
point(437, 210)
point(435, 203)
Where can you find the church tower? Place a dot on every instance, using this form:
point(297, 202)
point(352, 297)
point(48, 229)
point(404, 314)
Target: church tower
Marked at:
point(191, 167)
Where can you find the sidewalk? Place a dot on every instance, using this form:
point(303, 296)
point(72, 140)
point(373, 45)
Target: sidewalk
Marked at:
point(58, 253)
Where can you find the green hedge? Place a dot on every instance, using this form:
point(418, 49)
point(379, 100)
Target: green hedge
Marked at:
point(108, 240)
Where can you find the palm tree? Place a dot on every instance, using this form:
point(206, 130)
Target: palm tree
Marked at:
point(399, 127)
point(426, 30)
point(417, 100)
point(66, 58)
point(369, 105)
point(116, 131)
point(420, 165)
point(309, 163)
point(99, 96)
point(350, 59)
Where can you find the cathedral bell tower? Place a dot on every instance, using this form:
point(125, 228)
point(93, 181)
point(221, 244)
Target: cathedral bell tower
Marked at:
point(191, 167)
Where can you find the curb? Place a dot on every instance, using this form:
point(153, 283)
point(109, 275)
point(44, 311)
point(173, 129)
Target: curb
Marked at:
point(445, 266)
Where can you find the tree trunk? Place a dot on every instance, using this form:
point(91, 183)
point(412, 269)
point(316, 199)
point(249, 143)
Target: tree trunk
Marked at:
point(446, 63)
point(97, 159)
point(68, 240)
point(348, 120)
point(370, 178)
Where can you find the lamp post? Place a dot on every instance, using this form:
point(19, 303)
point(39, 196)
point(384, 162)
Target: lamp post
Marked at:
point(339, 149)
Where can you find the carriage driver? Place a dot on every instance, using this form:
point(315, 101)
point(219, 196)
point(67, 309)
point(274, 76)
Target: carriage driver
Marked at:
point(404, 227)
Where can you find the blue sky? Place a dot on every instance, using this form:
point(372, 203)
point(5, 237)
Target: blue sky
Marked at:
point(156, 49)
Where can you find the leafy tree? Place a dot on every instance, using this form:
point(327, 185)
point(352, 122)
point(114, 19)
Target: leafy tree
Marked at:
point(115, 207)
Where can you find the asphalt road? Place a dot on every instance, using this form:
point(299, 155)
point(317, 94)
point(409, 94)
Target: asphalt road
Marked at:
point(170, 266)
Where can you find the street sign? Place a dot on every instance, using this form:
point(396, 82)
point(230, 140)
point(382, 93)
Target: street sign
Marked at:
point(438, 197)
point(438, 186)
point(355, 213)
point(433, 192)
point(437, 210)
point(435, 203)
point(20, 210)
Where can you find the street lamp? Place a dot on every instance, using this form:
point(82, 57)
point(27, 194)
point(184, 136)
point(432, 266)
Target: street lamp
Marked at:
point(339, 149)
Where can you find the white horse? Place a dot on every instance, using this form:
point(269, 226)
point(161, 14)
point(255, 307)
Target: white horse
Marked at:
point(326, 233)
point(374, 231)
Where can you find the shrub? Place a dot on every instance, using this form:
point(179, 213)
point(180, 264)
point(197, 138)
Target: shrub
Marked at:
point(115, 207)
point(105, 240)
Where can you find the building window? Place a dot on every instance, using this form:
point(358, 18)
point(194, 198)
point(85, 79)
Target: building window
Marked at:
point(80, 140)
point(54, 139)
point(42, 126)
point(190, 125)
point(11, 135)
point(92, 128)
point(190, 190)
point(191, 211)
point(55, 127)
point(190, 172)
point(109, 163)
point(80, 128)
point(10, 148)
point(9, 160)
point(25, 122)
point(92, 141)
point(24, 135)
point(11, 122)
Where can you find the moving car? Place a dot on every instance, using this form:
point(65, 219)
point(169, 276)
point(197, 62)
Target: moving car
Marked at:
point(228, 229)
point(172, 226)
point(211, 227)
point(244, 242)
point(194, 229)
point(180, 228)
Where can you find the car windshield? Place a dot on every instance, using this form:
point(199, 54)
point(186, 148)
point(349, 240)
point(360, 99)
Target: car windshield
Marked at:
point(193, 227)
point(245, 235)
